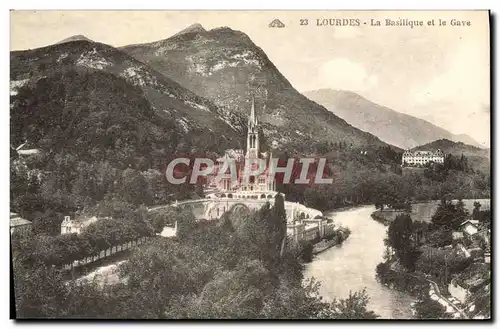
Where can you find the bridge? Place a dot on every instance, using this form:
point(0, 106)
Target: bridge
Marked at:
point(214, 207)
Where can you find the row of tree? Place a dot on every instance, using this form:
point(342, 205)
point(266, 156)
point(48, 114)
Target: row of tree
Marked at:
point(96, 237)
point(407, 237)
point(418, 248)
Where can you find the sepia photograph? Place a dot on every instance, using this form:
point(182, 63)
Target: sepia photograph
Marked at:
point(250, 165)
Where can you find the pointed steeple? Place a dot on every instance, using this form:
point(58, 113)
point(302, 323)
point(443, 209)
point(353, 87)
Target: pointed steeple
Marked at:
point(252, 112)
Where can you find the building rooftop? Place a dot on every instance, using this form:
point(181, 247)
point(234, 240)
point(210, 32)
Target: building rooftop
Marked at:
point(231, 154)
point(471, 221)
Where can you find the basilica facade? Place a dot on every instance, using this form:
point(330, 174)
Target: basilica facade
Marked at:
point(422, 158)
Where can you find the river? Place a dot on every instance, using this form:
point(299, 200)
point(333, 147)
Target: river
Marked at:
point(351, 266)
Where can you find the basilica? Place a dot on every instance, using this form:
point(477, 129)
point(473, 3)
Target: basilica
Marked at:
point(254, 187)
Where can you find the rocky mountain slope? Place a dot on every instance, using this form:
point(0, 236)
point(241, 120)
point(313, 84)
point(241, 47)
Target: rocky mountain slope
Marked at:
point(390, 126)
point(225, 66)
point(197, 120)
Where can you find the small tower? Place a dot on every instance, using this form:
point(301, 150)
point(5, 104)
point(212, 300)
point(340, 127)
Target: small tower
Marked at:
point(253, 134)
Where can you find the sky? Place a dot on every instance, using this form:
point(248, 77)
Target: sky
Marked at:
point(437, 73)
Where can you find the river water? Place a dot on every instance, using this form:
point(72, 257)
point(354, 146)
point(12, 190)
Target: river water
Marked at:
point(351, 266)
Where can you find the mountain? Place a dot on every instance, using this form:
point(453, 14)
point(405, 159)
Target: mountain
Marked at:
point(455, 148)
point(195, 28)
point(198, 123)
point(390, 126)
point(226, 67)
point(478, 158)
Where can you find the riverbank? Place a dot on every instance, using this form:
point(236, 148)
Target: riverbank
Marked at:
point(423, 211)
point(392, 277)
point(79, 272)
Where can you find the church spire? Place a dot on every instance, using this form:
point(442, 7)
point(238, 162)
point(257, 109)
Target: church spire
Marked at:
point(253, 134)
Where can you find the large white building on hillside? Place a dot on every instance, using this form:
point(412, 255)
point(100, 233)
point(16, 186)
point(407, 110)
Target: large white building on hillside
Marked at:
point(19, 225)
point(421, 158)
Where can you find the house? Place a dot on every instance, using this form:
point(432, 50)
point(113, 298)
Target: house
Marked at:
point(19, 225)
point(276, 23)
point(457, 235)
point(470, 227)
point(487, 257)
point(476, 253)
point(421, 158)
point(69, 225)
point(464, 251)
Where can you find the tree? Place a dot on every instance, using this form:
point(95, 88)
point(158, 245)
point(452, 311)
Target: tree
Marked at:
point(440, 237)
point(441, 263)
point(430, 309)
point(461, 214)
point(156, 186)
point(186, 224)
point(484, 217)
point(291, 301)
point(158, 222)
point(48, 222)
point(114, 206)
point(353, 307)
